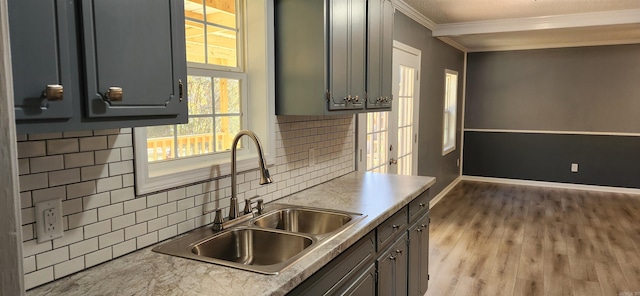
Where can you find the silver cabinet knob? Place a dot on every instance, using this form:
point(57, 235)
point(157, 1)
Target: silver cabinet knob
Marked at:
point(53, 92)
point(114, 94)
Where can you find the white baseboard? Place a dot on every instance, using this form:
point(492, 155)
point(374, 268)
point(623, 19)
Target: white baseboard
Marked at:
point(444, 192)
point(552, 185)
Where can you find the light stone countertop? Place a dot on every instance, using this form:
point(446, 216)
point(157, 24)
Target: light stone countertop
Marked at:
point(144, 272)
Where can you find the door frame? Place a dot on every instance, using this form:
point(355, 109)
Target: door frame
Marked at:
point(361, 119)
point(11, 279)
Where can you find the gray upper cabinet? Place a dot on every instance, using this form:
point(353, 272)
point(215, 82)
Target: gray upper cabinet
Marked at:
point(379, 54)
point(97, 64)
point(133, 52)
point(322, 49)
point(40, 58)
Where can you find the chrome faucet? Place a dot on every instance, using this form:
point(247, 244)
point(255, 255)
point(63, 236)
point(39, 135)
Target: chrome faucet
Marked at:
point(265, 178)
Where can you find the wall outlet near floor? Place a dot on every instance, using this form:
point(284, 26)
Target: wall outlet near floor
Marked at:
point(48, 220)
point(458, 162)
point(312, 157)
point(574, 167)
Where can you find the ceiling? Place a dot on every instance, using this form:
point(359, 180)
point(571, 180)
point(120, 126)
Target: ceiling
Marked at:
point(489, 25)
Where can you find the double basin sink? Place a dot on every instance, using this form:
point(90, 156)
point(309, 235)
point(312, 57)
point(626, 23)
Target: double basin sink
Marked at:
point(266, 244)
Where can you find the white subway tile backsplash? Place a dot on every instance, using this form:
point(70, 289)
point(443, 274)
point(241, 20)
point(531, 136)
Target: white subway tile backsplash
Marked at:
point(135, 205)
point(75, 160)
point(123, 194)
point(123, 221)
point(108, 184)
point(135, 231)
point(111, 211)
point(82, 219)
point(27, 215)
point(93, 143)
point(33, 181)
point(83, 247)
point(64, 177)
point(96, 200)
point(120, 168)
point(29, 264)
point(95, 172)
point(71, 206)
point(124, 248)
point(62, 146)
point(52, 257)
point(66, 268)
point(111, 239)
point(70, 237)
point(38, 278)
point(107, 156)
point(45, 136)
point(147, 240)
point(146, 215)
point(81, 189)
point(97, 229)
point(23, 166)
point(98, 257)
point(102, 184)
point(32, 247)
point(32, 149)
point(46, 163)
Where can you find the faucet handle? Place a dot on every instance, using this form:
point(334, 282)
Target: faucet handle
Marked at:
point(260, 206)
point(217, 221)
point(247, 204)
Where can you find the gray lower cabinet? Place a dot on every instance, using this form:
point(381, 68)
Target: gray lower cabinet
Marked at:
point(419, 254)
point(365, 284)
point(392, 269)
point(95, 64)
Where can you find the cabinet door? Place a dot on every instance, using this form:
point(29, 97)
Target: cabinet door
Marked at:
point(346, 54)
point(419, 256)
point(40, 57)
point(392, 269)
point(139, 48)
point(365, 284)
point(380, 52)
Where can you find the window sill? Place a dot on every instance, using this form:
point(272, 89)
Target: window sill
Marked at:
point(448, 150)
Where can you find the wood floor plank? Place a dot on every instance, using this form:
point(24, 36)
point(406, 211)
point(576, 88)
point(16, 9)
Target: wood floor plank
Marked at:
point(496, 239)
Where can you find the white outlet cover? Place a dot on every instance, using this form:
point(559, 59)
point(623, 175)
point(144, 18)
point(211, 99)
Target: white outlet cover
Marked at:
point(574, 167)
point(48, 226)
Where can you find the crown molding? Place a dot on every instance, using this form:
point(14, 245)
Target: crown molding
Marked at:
point(409, 11)
point(554, 45)
point(605, 18)
point(454, 44)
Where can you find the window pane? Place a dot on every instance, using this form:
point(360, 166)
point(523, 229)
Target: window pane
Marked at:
point(194, 9)
point(227, 95)
point(200, 95)
point(221, 46)
point(160, 143)
point(195, 137)
point(226, 128)
point(221, 12)
point(194, 34)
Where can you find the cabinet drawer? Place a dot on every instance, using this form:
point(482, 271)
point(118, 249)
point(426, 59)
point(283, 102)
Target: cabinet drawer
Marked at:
point(340, 270)
point(389, 229)
point(419, 206)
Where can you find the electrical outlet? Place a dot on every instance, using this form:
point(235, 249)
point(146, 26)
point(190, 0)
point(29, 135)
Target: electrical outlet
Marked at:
point(458, 162)
point(48, 220)
point(574, 167)
point(312, 157)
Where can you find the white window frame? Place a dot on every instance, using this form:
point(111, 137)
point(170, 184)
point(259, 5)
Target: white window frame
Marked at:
point(259, 86)
point(450, 108)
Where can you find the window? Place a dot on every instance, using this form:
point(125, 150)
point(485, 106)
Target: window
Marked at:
point(450, 102)
point(218, 67)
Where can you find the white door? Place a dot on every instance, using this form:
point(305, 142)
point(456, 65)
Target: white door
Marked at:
point(388, 141)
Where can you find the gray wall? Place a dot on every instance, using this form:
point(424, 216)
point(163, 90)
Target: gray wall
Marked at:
point(583, 89)
point(436, 57)
point(572, 89)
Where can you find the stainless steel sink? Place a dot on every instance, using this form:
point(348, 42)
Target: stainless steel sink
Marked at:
point(250, 246)
point(265, 244)
point(310, 221)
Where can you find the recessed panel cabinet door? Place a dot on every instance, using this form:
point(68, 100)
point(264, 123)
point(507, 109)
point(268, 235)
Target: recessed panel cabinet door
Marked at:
point(134, 52)
point(380, 52)
point(419, 254)
point(40, 59)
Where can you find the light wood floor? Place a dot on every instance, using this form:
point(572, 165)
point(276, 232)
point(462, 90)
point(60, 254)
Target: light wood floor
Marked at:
point(493, 239)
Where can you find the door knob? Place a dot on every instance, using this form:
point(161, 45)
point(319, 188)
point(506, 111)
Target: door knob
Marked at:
point(393, 161)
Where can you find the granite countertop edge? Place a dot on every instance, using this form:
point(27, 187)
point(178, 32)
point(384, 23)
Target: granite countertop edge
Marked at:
point(143, 272)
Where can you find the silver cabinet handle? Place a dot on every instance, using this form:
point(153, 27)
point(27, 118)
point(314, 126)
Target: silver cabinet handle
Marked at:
point(398, 251)
point(419, 230)
point(53, 92)
point(395, 226)
point(422, 205)
point(114, 94)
